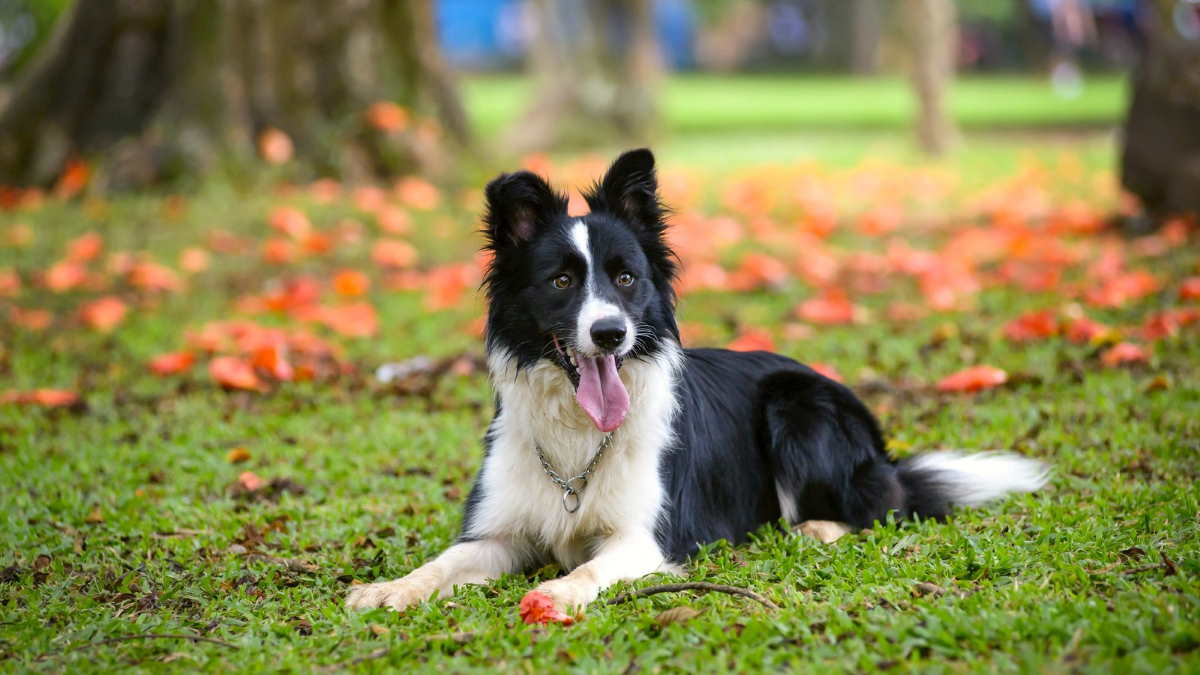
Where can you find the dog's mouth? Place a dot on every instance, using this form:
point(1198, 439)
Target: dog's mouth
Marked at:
point(598, 387)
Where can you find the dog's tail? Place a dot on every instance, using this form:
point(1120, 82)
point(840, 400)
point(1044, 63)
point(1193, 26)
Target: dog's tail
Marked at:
point(937, 481)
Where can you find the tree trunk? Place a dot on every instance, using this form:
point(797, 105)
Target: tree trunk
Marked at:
point(1160, 156)
point(596, 67)
point(152, 87)
point(933, 39)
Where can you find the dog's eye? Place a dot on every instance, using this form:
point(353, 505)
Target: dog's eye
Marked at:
point(561, 281)
point(624, 279)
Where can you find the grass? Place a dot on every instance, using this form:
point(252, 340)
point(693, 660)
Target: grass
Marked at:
point(119, 519)
point(714, 104)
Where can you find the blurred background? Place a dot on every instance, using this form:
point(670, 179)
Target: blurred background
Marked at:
point(140, 91)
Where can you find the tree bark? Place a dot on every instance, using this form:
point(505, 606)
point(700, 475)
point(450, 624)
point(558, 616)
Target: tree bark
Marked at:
point(1160, 155)
point(933, 39)
point(596, 67)
point(148, 88)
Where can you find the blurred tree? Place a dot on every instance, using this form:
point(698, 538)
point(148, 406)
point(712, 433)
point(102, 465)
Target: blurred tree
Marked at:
point(855, 30)
point(1160, 155)
point(154, 87)
point(596, 67)
point(932, 36)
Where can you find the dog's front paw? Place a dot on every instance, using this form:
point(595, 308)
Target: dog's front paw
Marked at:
point(537, 607)
point(396, 594)
point(824, 531)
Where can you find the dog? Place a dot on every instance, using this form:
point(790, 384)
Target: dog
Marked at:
point(616, 453)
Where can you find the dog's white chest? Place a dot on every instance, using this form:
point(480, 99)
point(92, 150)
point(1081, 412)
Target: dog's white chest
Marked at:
point(520, 502)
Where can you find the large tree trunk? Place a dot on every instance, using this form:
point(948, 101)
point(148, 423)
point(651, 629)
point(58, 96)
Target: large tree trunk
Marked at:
point(148, 87)
point(932, 34)
point(1160, 157)
point(597, 68)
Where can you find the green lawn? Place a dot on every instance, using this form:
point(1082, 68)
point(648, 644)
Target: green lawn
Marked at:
point(707, 104)
point(121, 517)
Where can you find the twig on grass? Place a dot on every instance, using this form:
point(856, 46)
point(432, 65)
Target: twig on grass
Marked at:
point(292, 564)
point(461, 638)
point(151, 636)
point(693, 586)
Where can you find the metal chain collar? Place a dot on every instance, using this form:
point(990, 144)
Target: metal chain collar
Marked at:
point(572, 498)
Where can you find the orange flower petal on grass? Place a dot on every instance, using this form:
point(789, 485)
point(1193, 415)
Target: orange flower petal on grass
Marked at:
point(151, 276)
point(10, 283)
point(103, 314)
point(234, 373)
point(975, 378)
point(1032, 326)
point(172, 363)
point(752, 340)
point(194, 259)
point(47, 398)
point(831, 307)
point(251, 481)
point(85, 247)
point(273, 359)
point(351, 283)
point(64, 276)
point(418, 193)
point(275, 147)
point(356, 320)
point(290, 221)
point(1124, 352)
point(31, 319)
point(393, 253)
point(1190, 289)
point(537, 607)
point(74, 178)
point(1084, 330)
point(387, 116)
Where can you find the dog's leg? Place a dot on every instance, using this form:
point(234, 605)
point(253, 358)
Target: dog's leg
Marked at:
point(469, 562)
point(825, 531)
point(626, 555)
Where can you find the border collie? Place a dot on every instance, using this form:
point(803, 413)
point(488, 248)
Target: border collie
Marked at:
point(615, 452)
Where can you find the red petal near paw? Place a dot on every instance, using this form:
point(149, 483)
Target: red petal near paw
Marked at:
point(537, 607)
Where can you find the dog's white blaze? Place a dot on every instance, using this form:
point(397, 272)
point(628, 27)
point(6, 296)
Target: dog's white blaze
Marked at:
point(624, 495)
point(970, 480)
point(594, 308)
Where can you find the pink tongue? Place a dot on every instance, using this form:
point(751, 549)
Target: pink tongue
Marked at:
point(601, 393)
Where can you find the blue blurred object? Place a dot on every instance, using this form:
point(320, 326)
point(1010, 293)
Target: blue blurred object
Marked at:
point(491, 34)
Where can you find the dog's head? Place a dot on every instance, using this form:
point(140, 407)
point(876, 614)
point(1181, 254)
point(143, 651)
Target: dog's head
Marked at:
point(587, 293)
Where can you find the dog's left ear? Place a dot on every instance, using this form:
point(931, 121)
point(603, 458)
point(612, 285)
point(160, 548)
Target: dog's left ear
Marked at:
point(630, 191)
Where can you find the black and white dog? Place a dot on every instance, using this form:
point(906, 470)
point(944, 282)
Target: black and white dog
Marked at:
point(616, 453)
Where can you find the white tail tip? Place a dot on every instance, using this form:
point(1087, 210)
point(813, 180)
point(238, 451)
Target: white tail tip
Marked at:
point(970, 480)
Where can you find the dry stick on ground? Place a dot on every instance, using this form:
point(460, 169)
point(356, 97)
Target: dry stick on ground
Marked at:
point(460, 638)
point(693, 586)
point(152, 636)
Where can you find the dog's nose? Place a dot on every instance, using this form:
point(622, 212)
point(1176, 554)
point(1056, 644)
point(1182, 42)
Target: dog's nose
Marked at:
point(608, 333)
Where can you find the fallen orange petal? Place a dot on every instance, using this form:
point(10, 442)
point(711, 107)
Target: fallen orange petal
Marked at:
point(975, 378)
point(103, 314)
point(752, 340)
point(172, 363)
point(1032, 326)
point(251, 481)
point(537, 607)
point(235, 373)
point(351, 283)
point(1124, 352)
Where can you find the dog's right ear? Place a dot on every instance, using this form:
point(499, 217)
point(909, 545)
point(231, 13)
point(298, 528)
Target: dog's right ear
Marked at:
point(518, 206)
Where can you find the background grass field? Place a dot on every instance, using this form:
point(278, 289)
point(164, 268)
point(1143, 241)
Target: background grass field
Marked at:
point(119, 518)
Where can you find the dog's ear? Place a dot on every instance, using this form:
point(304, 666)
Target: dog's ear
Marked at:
point(518, 205)
point(630, 191)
